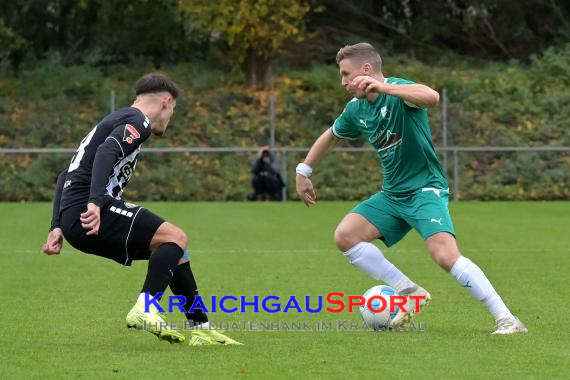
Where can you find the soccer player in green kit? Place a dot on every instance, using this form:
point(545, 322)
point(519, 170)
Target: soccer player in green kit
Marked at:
point(390, 113)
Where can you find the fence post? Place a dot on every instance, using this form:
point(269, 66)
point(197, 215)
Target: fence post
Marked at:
point(272, 119)
point(284, 174)
point(455, 175)
point(271, 110)
point(112, 101)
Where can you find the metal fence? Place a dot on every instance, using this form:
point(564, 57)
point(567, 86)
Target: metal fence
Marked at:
point(455, 152)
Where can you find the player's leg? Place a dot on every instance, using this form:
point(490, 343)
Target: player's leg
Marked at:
point(432, 220)
point(167, 246)
point(125, 234)
point(161, 243)
point(353, 236)
point(443, 249)
point(370, 220)
point(183, 283)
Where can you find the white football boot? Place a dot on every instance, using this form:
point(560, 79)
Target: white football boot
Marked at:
point(406, 317)
point(510, 326)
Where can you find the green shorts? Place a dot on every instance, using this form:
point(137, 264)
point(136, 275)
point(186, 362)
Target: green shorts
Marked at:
point(427, 212)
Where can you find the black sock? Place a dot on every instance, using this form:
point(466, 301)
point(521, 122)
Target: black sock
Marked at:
point(161, 267)
point(184, 284)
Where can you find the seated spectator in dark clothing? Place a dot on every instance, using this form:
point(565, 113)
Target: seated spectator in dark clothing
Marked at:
point(266, 181)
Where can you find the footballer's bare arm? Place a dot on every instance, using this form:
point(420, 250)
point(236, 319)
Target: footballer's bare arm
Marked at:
point(324, 144)
point(417, 94)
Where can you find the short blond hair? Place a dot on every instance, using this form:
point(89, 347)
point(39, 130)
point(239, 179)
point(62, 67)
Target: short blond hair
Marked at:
point(362, 52)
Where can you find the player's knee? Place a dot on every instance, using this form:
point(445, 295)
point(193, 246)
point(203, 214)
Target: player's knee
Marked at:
point(169, 233)
point(444, 261)
point(179, 237)
point(445, 255)
point(345, 239)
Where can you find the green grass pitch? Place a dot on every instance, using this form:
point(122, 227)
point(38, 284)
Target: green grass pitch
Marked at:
point(63, 317)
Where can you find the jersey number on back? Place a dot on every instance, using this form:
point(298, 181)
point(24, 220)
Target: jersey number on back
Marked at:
point(76, 160)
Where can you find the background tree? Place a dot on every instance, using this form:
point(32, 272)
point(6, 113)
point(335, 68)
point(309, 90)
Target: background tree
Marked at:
point(486, 29)
point(94, 31)
point(250, 33)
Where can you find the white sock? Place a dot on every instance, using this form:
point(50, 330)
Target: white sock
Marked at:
point(470, 276)
point(370, 260)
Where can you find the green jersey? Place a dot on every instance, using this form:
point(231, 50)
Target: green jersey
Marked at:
point(401, 136)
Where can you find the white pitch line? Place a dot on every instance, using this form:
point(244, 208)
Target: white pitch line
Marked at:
point(331, 250)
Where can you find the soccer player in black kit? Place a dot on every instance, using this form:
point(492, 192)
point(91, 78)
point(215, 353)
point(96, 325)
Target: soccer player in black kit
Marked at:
point(89, 212)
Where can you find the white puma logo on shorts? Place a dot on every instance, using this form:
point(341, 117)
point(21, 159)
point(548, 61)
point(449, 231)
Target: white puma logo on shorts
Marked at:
point(436, 221)
point(363, 122)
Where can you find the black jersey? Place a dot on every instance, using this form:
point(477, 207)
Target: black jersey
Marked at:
point(105, 159)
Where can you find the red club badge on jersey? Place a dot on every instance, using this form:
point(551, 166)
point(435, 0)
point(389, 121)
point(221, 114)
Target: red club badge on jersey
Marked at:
point(131, 134)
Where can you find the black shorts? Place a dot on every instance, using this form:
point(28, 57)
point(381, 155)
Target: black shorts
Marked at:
point(125, 232)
